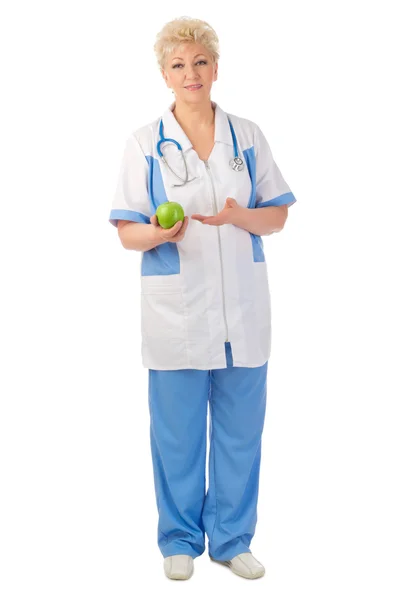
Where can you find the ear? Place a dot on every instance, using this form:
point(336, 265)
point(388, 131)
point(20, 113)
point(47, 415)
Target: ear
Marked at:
point(164, 75)
point(215, 72)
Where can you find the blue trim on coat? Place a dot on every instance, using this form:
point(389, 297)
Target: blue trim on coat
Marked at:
point(249, 157)
point(287, 198)
point(164, 259)
point(256, 240)
point(118, 214)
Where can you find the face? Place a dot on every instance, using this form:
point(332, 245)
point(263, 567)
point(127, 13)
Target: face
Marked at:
point(190, 64)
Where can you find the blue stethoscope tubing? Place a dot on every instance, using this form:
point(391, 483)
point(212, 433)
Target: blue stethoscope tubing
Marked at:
point(236, 162)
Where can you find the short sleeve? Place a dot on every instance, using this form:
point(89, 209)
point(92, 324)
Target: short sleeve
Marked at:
point(271, 188)
point(131, 199)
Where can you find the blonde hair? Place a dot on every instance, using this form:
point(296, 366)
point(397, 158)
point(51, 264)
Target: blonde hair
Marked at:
point(185, 29)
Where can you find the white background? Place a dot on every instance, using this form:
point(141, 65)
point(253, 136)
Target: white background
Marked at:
point(324, 82)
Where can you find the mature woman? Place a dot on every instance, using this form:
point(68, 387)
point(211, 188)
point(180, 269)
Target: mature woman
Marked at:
point(206, 323)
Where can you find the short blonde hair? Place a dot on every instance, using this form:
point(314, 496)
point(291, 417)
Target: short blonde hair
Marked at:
point(185, 29)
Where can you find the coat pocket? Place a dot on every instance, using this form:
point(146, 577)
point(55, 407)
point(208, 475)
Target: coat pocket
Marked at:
point(162, 307)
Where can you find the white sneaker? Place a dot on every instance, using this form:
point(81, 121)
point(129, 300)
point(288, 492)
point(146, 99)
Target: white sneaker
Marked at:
point(245, 565)
point(179, 566)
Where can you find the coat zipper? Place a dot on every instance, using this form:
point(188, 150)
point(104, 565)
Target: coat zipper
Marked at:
point(220, 248)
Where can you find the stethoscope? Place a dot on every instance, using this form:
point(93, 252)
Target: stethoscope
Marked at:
point(236, 162)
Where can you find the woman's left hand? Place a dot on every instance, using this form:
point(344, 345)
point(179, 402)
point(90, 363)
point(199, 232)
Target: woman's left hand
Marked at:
point(224, 217)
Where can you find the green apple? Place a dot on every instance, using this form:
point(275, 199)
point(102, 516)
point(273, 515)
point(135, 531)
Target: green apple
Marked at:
point(169, 213)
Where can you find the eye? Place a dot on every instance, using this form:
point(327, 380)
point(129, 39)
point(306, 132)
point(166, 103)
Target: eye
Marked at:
point(199, 61)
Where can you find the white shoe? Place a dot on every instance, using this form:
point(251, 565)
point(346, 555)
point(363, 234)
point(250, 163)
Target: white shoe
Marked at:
point(179, 566)
point(245, 565)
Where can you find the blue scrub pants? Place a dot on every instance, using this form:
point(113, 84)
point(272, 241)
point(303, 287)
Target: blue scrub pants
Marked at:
point(178, 402)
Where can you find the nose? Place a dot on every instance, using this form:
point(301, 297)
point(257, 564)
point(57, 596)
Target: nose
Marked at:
point(190, 73)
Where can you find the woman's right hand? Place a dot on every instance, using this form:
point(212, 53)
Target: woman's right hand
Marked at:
point(173, 234)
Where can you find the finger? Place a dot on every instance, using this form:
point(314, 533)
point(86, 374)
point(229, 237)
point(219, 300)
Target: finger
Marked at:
point(211, 221)
point(172, 231)
point(184, 224)
point(182, 229)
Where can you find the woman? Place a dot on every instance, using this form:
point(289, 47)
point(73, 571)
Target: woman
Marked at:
point(205, 300)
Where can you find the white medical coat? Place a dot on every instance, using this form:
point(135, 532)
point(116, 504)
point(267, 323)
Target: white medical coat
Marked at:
point(212, 286)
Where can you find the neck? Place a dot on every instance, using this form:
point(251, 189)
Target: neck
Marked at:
point(194, 115)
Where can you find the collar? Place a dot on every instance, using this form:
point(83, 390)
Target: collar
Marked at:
point(172, 129)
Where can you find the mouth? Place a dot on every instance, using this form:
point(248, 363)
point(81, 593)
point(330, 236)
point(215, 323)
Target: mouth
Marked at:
point(193, 87)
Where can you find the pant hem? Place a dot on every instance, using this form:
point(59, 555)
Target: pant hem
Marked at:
point(172, 550)
point(229, 554)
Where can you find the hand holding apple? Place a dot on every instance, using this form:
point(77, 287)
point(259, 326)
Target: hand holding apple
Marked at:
point(170, 222)
point(168, 213)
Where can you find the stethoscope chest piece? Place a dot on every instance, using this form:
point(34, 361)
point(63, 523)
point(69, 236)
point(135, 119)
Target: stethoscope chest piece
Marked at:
point(237, 164)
